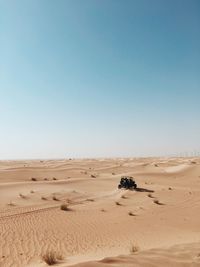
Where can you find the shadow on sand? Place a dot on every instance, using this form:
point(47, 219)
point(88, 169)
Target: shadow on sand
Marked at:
point(140, 189)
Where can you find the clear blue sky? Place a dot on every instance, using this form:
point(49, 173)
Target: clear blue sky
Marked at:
point(88, 78)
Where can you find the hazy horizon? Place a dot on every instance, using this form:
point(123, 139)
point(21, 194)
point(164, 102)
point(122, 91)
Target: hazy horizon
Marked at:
point(88, 79)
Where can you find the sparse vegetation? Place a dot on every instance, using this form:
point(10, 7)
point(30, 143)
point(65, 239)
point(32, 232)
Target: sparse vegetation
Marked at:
point(43, 198)
point(131, 213)
point(65, 207)
point(93, 176)
point(45, 179)
point(55, 198)
point(150, 195)
point(11, 204)
point(156, 201)
point(54, 178)
point(23, 196)
point(34, 179)
point(124, 197)
point(118, 203)
point(52, 257)
point(134, 249)
point(32, 191)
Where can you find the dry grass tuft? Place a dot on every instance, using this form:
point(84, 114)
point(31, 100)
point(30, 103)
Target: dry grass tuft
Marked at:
point(93, 176)
point(131, 213)
point(23, 196)
point(118, 203)
point(54, 178)
point(52, 257)
point(32, 191)
point(55, 198)
point(134, 249)
point(34, 179)
point(150, 195)
point(43, 198)
point(156, 201)
point(11, 204)
point(65, 207)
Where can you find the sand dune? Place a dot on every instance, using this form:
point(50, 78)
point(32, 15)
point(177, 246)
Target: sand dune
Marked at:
point(161, 217)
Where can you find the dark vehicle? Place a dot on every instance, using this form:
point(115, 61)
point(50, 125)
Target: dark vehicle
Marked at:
point(127, 182)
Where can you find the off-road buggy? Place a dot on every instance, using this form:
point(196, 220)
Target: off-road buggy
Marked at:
point(127, 182)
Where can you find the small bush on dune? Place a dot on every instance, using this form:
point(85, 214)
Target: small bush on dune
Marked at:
point(150, 195)
point(52, 257)
point(118, 203)
point(65, 207)
point(134, 249)
point(156, 201)
point(23, 196)
point(55, 198)
point(131, 213)
point(11, 204)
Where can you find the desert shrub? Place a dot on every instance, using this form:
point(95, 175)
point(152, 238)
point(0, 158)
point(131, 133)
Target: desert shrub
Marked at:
point(11, 204)
point(65, 207)
point(131, 213)
point(22, 196)
point(52, 257)
point(156, 201)
point(55, 198)
point(134, 249)
point(118, 203)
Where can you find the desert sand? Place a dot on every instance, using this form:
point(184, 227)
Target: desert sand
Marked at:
point(99, 224)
